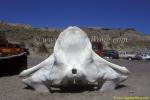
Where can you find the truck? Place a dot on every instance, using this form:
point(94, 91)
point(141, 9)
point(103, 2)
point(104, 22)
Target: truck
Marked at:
point(126, 55)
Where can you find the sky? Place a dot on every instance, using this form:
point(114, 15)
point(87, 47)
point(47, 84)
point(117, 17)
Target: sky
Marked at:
point(82, 13)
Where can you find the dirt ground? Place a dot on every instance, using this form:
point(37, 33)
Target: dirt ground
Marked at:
point(138, 84)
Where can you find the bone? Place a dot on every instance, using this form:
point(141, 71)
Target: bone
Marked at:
point(123, 70)
point(74, 62)
point(49, 61)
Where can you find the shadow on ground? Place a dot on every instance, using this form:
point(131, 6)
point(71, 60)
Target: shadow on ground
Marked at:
point(76, 89)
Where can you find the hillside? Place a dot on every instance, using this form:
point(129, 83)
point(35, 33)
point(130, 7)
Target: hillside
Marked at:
point(36, 38)
point(121, 39)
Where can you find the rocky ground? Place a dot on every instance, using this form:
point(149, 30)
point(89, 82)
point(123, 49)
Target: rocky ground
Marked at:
point(138, 84)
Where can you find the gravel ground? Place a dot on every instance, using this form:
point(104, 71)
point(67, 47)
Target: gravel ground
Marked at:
point(138, 84)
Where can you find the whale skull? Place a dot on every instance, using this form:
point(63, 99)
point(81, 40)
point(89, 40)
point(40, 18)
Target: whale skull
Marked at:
point(74, 62)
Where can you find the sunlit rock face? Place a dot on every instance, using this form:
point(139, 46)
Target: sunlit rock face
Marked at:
point(74, 62)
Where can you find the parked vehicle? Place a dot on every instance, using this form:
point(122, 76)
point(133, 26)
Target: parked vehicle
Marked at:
point(148, 57)
point(111, 54)
point(141, 57)
point(126, 55)
point(145, 56)
point(137, 57)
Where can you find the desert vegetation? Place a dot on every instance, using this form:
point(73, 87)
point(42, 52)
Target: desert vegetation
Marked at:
point(43, 39)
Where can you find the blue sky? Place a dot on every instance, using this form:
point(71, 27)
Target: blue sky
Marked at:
point(90, 13)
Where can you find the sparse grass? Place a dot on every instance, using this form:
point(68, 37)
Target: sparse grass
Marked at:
point(42, 48)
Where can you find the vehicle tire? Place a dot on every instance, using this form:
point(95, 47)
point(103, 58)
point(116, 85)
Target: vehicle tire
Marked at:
point(130, 58)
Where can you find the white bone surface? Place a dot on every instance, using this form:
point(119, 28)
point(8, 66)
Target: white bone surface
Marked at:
point(74, 62)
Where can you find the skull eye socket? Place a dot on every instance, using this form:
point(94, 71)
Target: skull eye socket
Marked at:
point(74, 71)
